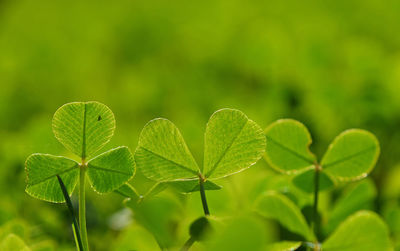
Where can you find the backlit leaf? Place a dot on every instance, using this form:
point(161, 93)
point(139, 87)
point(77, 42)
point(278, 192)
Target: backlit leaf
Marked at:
point(111, 169)
point(232, 143)
point(83, 127)
point(42, 171)
point(288, 144)
point(352, 155)
point(162, 154)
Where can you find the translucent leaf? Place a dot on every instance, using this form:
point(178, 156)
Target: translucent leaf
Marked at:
point(42, 171)
point(284, 246)
point(83, 127)
point(305, 181)
point(352, 155)
point(232, 143)
point(111, 169)
point(162, 154)
point(362, 231)
point(288, 144)
point(276, 206)
point(358, 197)
point(13, 243)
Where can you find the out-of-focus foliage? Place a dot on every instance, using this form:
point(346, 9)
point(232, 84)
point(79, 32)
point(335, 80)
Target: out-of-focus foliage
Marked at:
point(331, 64)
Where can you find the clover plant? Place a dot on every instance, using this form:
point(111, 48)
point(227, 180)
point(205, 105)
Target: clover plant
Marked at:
point(350, 157)
point(83, 128)
point(232, 143)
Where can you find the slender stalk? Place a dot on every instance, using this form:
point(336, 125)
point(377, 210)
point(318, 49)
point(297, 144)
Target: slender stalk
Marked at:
point(82, 207)
point(314, 223)
point(72, 213)
point(188, 244)
point(203, 197)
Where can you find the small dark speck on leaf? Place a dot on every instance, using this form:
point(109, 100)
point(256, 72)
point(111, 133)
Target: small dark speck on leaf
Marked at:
point(99, 118)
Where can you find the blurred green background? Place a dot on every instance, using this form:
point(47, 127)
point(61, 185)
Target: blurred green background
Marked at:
point(331, 64)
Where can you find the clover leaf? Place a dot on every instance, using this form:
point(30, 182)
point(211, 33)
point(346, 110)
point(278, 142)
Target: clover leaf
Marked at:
point(364, 230)
point(83, 128)
point(232, 144)
point(351, 156)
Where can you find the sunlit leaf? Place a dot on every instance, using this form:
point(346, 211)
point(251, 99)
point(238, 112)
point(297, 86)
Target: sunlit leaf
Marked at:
point(83, 127)
point(42, 171)
point(284, 246)
point(232, 143)
point(288, 144)
point(111, 169)
point(276, 206)
point(352, 155)
point(162, 153)
point(362, 231)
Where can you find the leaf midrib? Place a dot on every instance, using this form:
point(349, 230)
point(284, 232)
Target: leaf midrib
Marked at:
point(108, 170)
point(209, 173)
point(298, 155)
point(54, 175)
point(175, 163)
point(84, 133)
point(349, 157)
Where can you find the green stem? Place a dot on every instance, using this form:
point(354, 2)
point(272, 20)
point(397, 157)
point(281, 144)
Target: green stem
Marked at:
point(203, 197)
point(188, 244)
point(82, 207)
point(314, 223)
point(75, 225)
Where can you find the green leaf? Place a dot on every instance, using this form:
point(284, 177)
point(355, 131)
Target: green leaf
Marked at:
point(111, 169)
point(42, 171)
point(352, 155)
point(83, 127)
point(190, 186)
point(276, 206)
point(288, 144)
point(13, 243)
point(305, 181)
point(162, 154)
point(128, 191)
point(232, 143)
point(284, 246)
point(359, 197)
point(362, 231)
